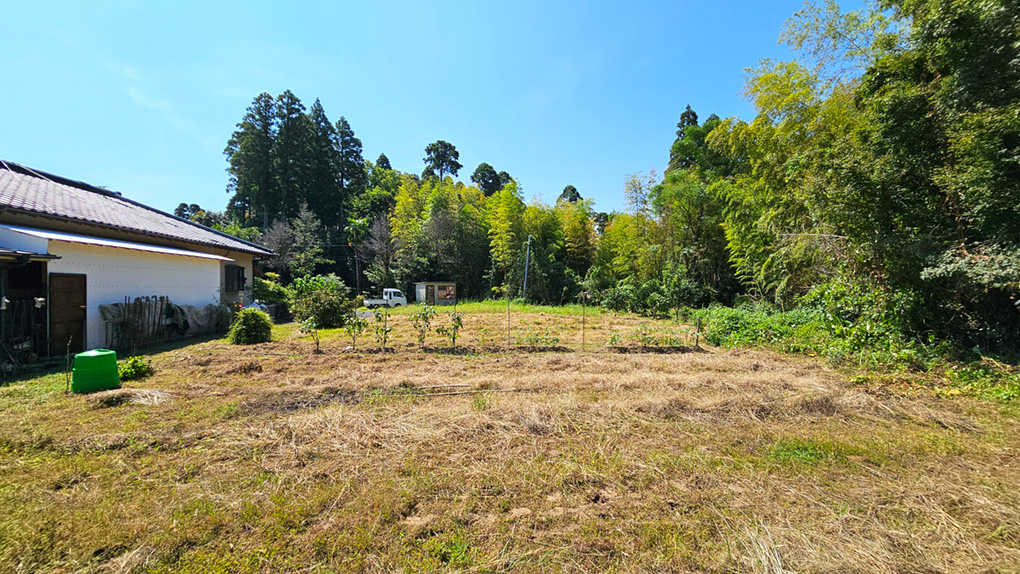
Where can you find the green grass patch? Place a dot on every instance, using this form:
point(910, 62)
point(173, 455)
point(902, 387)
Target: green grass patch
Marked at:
point(808, 451)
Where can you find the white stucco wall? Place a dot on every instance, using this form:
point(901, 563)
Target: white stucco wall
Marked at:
point(243, 260)
point(112, 274)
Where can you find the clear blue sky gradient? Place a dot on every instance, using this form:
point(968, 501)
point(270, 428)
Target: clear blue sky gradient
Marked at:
point(141, 97)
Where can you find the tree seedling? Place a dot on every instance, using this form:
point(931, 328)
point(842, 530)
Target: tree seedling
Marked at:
point(353, 327)
point(308, 327)
point(382, 327)
point(452, 329)
point(421, 319)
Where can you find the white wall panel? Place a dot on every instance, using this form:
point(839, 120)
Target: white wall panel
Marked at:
point(112, 274)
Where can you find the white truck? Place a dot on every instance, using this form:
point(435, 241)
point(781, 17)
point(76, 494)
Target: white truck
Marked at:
point(390, 298)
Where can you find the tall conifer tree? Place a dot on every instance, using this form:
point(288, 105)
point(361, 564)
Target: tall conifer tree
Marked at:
point(291, 156)
point(351, 176)
point(249, 152)
point(324, 194)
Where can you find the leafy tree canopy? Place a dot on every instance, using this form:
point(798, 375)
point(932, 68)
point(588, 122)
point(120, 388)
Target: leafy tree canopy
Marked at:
point(570, 195)
point(441, 158)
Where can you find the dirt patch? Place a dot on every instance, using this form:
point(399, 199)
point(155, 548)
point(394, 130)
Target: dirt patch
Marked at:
point(244, 368)
point(290, 401)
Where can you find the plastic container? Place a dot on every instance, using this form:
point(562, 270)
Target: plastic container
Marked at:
point(95, 370)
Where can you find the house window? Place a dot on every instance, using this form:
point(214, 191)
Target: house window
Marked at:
point(234, 278)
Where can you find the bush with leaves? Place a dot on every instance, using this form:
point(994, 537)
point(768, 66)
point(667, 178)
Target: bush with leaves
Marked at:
point(251, 326)
point(617, 298)
point(323, 299)
point(270, 290)
point(134, 368)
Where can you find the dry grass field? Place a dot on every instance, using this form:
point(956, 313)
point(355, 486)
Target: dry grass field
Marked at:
point(554, 458)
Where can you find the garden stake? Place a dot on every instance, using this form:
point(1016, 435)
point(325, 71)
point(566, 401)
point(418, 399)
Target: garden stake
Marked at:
point(582, 318)
point(67, 373)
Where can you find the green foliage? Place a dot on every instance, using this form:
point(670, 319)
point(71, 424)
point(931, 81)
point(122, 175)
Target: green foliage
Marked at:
point(249, 153)
point(282, 157)
point(421, 319)
point(985, 378)
point(134, 368)
point(322, 299)
point(450, 331)
point(308, 327)
point(807, 451)
point(506, 213)
point(536, 338)
point(441, 157)
point(569, 195)
point(875, 186)
point(486, 178)
point(354, 326)
point(382, 327)
point(887, 153)
point(690, 150)
point(250, 234)
point(307, 242)
point(452, 551)
point(270, 290)
point(650, 336)
point(617, 298)
point(251, 326)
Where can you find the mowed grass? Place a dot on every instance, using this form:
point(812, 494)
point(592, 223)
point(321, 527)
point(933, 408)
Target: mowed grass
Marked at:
point(552, 458)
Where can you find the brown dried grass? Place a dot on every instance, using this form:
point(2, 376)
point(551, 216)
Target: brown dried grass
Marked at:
point(723, 461)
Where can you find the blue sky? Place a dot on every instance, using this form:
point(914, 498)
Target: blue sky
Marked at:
point(141, 97)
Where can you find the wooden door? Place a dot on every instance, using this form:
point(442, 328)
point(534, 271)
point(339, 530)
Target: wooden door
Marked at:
point(67, 313)
point(430, 294)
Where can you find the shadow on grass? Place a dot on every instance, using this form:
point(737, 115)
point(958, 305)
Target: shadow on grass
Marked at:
point(58, 364)
point(461, 350)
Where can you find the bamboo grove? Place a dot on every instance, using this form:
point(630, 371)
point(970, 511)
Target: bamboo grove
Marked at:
point(879, 180)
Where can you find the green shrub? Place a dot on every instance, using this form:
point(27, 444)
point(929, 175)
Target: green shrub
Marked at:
point(134, 368)
point(269, 290)
point(322, 299)
point(765, 326)
point(657, 305)
point(617, 298)
point(251, 326)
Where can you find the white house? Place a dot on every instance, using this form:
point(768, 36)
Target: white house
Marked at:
point(67, 247)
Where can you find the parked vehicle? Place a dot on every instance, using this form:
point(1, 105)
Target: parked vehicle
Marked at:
point(390, 298)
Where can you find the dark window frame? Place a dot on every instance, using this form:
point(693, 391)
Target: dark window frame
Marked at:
point(234, 279)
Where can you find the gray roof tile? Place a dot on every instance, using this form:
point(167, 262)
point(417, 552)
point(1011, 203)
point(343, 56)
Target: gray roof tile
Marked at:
point(33, 191)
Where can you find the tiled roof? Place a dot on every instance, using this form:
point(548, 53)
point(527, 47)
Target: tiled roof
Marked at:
point(32, 191)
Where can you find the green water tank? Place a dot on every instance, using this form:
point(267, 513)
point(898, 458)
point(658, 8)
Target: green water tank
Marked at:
point(95, 370)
